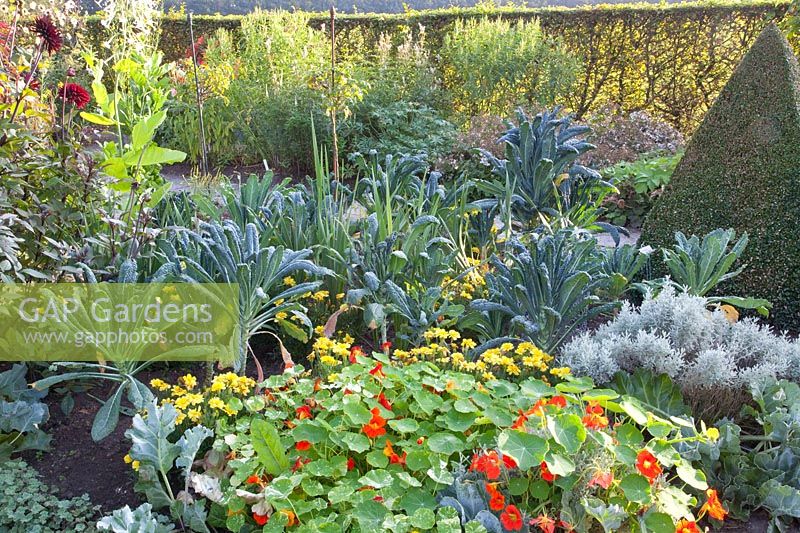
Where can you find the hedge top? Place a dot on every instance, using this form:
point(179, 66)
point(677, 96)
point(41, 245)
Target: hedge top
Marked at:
point(742, 170)
point(451, 13)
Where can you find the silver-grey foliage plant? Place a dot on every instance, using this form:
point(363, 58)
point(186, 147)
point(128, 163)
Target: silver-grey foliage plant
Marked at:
point(712, 359)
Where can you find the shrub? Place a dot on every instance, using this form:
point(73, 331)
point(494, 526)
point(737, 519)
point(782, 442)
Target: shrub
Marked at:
point(711, 357)
point(740, 171)
point(377, 447)
point(493, 66)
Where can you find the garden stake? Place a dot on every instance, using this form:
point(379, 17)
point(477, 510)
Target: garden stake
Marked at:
point(203, 154)
point(333, 94)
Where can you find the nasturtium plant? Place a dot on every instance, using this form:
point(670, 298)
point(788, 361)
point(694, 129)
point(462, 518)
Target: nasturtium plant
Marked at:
point(379, 447)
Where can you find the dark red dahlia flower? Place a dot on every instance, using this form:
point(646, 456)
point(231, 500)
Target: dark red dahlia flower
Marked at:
point(33, 82)
point(51, 38)
point(75, 95)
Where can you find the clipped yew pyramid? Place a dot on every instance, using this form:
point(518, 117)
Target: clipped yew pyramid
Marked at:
point(741, 170)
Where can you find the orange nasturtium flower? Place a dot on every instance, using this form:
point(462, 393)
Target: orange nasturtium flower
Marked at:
point(384, 402)
point(488, 463)
point(544, 523)
point(511, 518)
point(595, 417)
point(647, 465)
point(376, 426)
point(260, 519)
point(546, 474)
point(377, 371)
point(602, 479)
point(304, 412)
point(713, 506)
point(496, 499)
point(686, 526)
point(302, 446)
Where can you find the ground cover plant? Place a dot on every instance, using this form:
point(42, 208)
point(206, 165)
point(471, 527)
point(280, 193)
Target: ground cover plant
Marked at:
point(430, 338)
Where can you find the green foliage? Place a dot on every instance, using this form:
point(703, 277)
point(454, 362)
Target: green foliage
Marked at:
point(31, 505)
point(682, 47)
point(544, 290)
point(21, 414)
point(748, 185)
point(539, 180)
point(492, 66)
point(158, 450)
point(135, 112)
point(223, 253)
point(658, 393)
point(381, 447)
point(760, 470)
point(697, 267)
point(638, 184)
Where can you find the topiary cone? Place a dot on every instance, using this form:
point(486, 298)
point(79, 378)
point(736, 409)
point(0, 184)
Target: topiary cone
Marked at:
point(741, 170)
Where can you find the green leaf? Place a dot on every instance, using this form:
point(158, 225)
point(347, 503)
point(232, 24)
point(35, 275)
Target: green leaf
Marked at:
point(189, 445)
point(423, 518)
point(268, 447)
point(404, 425)
point(370, 515)
point(691, 476)
point(100, 120)
point(150, 437)
point(657, 394)
point(356, 412)
point(526, 449)
point(144, 130)
point(356, 442)
point(108, 416)
point(659, 523)
point(377, 479)
point(636, 488)
point(781, 500)
point(445, 443)
point(568, 431)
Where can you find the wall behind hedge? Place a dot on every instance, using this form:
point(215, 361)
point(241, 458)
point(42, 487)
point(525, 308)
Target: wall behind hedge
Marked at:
point(671, 60)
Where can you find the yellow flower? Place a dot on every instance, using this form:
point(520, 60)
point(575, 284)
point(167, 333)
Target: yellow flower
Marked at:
point(135, 465)
point(159, 384)
point(340, 296)
point(194, 415)
point(180, 418)
point(320, 296)
point(189, 381)
point(289, 281)
point(488, 376)
point(561, 371)
point(328, 360)
point(127, 459)
point(216, 403)
point(281, 315)
point(467, 344)
point(713, 434)
point(177, 390)
point(217, 386)
point(506, 347)
point(188, 399)
point(333, 377)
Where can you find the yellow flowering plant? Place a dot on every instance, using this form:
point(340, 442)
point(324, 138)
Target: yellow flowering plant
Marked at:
point(204, 405)
point(447, 349)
